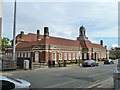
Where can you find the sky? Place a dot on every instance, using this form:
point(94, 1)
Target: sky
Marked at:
point(64, 20)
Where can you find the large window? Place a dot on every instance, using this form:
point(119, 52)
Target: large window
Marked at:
point(89, 55)
point(25, 54)
point(18, 54)
point(36, 56)
point(80, 55)
point(28, 54)
point(65, 56)
point(60, 56)
point(73, 56)
point(99, 55)
point(85, 55)
point(54, 56)
point(21, 54)
point(69, 56)
point(77, 55)
point(105, 55)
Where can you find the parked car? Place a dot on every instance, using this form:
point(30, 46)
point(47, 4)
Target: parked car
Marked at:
point(108, 61)
point(9, 83)
point(90, 63)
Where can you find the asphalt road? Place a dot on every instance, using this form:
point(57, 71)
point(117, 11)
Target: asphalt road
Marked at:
point(67, 77)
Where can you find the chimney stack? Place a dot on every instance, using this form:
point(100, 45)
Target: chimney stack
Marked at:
point(46, 32)
point(101, 42)
point(22, 35)
point(38, 35)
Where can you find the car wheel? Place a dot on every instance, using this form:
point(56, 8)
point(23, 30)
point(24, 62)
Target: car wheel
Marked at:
point(91, 65)
point(111, 62)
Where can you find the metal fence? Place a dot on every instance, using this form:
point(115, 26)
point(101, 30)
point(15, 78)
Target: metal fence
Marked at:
point(8, 63)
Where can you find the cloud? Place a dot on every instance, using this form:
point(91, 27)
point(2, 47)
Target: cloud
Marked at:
point(63, 19)
point(114, 45)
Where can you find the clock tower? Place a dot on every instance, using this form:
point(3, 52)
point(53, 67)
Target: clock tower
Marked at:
point(82, 35)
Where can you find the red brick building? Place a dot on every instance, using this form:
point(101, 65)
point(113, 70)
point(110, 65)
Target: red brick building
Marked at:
point(44, 47)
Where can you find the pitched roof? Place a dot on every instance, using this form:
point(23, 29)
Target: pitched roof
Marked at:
point(50, 41)
point(32, 40)
point(87, 43)
point(29, 37)
point(62, 41)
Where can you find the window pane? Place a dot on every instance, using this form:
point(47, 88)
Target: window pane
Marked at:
point(36, 56)
point(69, 56)
point(65, 57)
point(60, 56)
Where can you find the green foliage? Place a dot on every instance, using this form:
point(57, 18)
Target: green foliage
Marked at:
point(115, 52)
point(5, 43)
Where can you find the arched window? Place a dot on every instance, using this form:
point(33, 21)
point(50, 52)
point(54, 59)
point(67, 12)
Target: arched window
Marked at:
point(36, 56)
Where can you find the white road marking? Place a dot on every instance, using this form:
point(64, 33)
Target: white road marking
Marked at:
point(60, 84)
point(98, 83)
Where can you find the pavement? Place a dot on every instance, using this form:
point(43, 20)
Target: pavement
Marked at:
point(108, 83)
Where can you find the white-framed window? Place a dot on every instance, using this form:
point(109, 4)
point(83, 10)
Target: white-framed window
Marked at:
point(21, 54)
point(105, 55)
point(80, 55)
point(36, 56)
point(18, 54)
point(85, 55)
point(101, 55)
point(89, 55)
point(77, 55)
point(60, 56)
point(6, 54)
point(25, 54)
point(69, 56)
point(65, 56)
point(54, 56)
point(73, 56)
point(28, 54)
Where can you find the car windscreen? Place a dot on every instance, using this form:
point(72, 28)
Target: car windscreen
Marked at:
point(87, 61)
point(13, 79)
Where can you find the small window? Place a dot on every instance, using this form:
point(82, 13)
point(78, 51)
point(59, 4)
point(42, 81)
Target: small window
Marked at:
point(69, 56)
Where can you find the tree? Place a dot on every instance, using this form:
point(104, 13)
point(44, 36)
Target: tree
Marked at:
point(5, 43)
point(115, 52)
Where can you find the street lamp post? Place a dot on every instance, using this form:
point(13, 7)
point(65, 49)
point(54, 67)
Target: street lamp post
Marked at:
point(14, 31)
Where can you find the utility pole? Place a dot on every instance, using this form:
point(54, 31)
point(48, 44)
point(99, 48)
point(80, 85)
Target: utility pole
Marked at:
point(14, 30)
